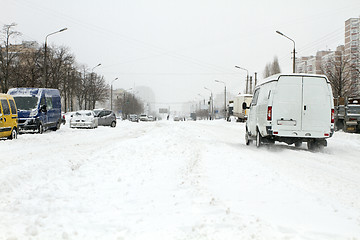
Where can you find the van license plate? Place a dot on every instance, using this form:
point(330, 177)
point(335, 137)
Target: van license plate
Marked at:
point(286, 122)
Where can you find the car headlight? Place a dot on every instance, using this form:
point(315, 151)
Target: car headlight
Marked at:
point(33, 112)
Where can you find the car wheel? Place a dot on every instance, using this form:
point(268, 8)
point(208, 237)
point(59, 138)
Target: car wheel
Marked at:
point(40, 129)
point(258, 139)
point(113, 124)
point(13, 134)
point(298, 144)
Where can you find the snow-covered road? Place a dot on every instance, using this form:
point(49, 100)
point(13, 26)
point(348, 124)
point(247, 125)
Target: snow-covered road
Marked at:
point(176, 180)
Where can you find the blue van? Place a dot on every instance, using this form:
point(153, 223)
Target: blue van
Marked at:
point(39, 109)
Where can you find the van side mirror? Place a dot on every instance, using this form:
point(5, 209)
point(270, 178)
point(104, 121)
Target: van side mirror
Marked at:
point(244, 105)
point(43, 108)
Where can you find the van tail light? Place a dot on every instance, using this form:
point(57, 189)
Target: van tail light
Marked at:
point(332, 116)
point(269, 113)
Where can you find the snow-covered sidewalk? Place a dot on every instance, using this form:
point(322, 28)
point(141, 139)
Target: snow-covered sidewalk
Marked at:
point(176, 180)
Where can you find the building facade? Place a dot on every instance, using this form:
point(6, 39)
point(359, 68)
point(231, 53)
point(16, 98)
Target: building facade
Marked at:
point(315, 64)
point(352, 47)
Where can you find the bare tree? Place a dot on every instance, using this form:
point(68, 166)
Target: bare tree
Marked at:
point(337, 69)
point(99, 91)
point(272, 68)
point(6, 55)
point(129, 104)
point(267, 71)
point(60, 59)
point(27, 69)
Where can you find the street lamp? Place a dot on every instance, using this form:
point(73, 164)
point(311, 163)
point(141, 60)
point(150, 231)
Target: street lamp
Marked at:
point(247, 78)
point(293, 50)
point(92, 70)
point(211, 103)
point(111, 93)
point(92, 85)
point(45, 56)
point(224, 96)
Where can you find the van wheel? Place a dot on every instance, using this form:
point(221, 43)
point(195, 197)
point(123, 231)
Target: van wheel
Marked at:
point(113, 124)
point(298, 144)
point(314, 145)
point(258, 139)
point(13, 134)
point(57, 127)
point(247, 140)
point(40, 129)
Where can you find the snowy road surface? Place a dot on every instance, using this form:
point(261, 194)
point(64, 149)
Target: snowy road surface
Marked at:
point(176, 180)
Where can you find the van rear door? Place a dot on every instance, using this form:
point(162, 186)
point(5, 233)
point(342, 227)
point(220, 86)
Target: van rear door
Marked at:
point(316, 114)
point(287, 103)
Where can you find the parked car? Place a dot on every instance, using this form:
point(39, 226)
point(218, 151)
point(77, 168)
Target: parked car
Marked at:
point(39, 109)
point(143, 117)
point(83, 119)
point(8, 117)
point(133, 118)
point(291, 108)
point(105, 117)
point(151, 118)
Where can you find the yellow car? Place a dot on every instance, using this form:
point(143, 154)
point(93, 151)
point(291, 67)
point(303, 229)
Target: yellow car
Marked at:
point(8, 117)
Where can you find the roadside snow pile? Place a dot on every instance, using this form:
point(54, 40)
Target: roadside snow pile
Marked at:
point(176, 180)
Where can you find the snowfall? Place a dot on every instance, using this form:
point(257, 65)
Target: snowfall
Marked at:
point(176, 180)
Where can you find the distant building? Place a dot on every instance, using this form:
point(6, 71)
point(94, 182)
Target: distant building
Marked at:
point(348, 53)
point(314, 64)
point(25, 46)
point(352, 47)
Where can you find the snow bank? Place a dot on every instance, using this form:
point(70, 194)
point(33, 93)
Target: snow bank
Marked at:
point(176, 180)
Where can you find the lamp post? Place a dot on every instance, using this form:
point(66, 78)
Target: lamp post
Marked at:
point(293, 50)
point(111, 93)
point(247, 78)
point(211, 103)
point(45, 56)
point(224, 97)
point(92, 85)
point(124, 109)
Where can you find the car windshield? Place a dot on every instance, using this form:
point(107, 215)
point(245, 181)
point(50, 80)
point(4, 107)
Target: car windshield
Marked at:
point(96, 112)
point(26, 102)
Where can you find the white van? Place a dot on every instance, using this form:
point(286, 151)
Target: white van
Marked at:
point(291, 108)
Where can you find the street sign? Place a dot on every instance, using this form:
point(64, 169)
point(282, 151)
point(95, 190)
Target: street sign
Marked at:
point(163, 110)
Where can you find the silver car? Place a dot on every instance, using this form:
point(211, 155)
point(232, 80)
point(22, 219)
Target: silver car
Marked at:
point(105, 117)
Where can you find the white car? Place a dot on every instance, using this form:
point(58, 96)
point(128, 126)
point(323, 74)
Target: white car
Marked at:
point(144, 118)
point(83, 119)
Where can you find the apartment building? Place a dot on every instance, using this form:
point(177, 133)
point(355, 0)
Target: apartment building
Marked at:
point(352, 47)
point(313, 64)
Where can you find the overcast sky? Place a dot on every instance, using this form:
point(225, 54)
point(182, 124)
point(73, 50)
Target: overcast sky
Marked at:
point(177, 47)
